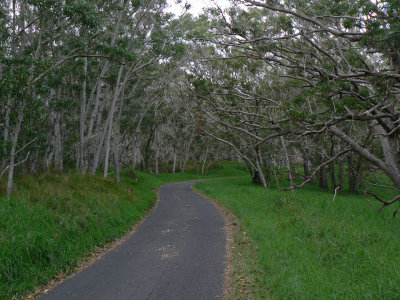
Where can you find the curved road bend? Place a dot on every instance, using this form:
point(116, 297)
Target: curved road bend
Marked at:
point(177, 253)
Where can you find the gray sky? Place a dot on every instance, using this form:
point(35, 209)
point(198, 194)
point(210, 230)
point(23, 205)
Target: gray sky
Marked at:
point(196, 5)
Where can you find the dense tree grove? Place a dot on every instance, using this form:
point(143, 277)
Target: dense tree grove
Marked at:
point(309, 81)
point(86, 83)
point(97, 84)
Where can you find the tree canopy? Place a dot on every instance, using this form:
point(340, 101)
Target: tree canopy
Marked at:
point(89, 84)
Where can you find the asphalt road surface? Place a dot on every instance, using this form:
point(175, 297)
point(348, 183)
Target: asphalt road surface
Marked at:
point(177, 253)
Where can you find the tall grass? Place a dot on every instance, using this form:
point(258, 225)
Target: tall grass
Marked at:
point(309, 247)
point(54, 221)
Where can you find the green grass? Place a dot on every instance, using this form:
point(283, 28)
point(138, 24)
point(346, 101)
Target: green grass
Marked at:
point(309, 247)
point(54, 222)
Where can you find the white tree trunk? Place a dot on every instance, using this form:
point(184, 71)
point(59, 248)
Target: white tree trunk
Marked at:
point(14, 141)
point(98, 148)
point(7, 124)
point(111, 118)
point(96, 111)
point(81, 151)
point(157, 162)
point(259, 169)
point(118, 138)
point(174, 163)
point(58, 155)
point(285, 152)
point(204, 162)
point(389, 148)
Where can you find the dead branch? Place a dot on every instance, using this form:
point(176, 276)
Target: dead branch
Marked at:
point(384, 203)
point(319, 168)
point(17, 164)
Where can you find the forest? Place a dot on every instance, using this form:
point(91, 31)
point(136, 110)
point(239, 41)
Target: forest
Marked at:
point(90, 85)
point(304, 90)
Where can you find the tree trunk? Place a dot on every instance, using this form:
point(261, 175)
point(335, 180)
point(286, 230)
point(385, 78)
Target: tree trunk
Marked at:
point(95, 110)
point(58, 153)
point(287, 162)
point(323, 181)
point(34, 162)
point(260, 172)
point(14, 142)
point(116, 158)
point(187, 152)
point(174, 163)
point(184, 164)
point(147, 154)
point(354, 173)
point(156, 161)
point(111, 117)
point(81, 151)
point(352, 187)
point(390, 148)
point(6, 125)
point(332, 174)
point(118, 138)
point(98, 109)
point(96, 157)
point(267, 171)
point(306, 163)
point(204, 162)
point(105, 70)
point(250, 168)
point(341, 174)
point(253, 170)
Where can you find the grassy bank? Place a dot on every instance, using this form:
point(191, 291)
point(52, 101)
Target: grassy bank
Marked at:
point(309, 247)
point(54, 222)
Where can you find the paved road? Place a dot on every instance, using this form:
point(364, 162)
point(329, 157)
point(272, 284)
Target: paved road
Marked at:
point(177, 253)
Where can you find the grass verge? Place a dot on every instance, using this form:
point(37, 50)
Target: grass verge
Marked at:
point(54, 222)
point(241, 272)
point(308, 247)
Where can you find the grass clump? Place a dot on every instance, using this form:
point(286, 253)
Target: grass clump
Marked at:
point(309, 247)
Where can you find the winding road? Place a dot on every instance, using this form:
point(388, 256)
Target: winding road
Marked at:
point(177, 253)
